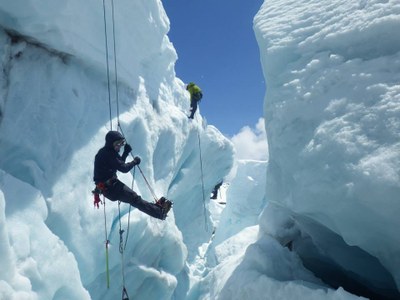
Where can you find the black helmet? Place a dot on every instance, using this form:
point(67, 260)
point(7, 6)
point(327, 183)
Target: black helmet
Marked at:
point(113, 136)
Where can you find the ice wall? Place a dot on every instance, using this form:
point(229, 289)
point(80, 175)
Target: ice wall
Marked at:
point(246, 199)
point(78, 29)
point(54, 115)
point(242, 262)
point(332, 118)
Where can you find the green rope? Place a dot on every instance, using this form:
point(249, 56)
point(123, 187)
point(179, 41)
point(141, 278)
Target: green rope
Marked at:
point(107, 242)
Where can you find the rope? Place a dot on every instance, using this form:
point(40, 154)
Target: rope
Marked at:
point(141, 172)
point(121, 250)
point(121, 232)
point(122, 245)
point(125, 294)
point(115, 61)
point(107, 61)
point(116, 83)
point(202, 183)
point(129, 213)
point(107, 242)
point(148, 184)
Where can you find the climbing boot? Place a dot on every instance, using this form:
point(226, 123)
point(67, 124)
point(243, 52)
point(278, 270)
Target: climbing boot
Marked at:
point(165, 205)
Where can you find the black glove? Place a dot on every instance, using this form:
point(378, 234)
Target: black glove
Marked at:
point(127, 148)
point(136, 160)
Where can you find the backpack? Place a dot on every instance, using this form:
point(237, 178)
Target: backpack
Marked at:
point(197, 96)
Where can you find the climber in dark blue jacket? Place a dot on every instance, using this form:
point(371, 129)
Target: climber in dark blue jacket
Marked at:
point(106, 164)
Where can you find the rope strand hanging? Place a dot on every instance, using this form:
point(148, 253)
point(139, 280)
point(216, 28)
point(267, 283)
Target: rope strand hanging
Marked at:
point(141, 172)
point(148, 185)
point(122, 245)
point(116, 82)
point(108, 63)
point(107, 243)
point(202, 183)
point(121, 249)
point(115, 63)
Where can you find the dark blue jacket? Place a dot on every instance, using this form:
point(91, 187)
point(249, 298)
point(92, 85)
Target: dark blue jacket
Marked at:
point(108, 161)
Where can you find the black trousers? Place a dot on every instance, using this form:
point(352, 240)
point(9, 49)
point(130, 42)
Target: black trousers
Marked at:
point(193, 108)
point(215, 191)
point(119, 191)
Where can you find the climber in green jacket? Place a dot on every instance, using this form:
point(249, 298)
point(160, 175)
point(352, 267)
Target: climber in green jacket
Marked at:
point(195, 97)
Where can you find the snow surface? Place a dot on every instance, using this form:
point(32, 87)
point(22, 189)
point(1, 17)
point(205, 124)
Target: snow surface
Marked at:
point(332, 118)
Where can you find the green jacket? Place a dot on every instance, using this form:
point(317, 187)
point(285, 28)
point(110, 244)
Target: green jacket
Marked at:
point(195, 91)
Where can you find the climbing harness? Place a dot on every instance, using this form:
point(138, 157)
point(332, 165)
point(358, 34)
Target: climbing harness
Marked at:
point(202, 183)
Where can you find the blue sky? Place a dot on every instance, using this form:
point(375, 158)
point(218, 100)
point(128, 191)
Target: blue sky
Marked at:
point(217, 49)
